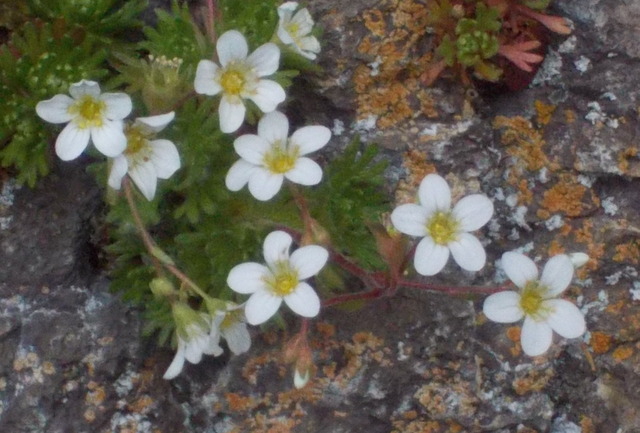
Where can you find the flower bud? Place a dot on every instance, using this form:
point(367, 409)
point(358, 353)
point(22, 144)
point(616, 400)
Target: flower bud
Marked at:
point(162, 288)
point(578, 259)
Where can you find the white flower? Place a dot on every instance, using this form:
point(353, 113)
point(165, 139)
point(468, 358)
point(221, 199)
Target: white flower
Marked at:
point(281, 279)
point(238, 78)
point(294, 29)
point(90, 115)
point(194, 339)
point(145, 159)
point(270, 156)
point(444, 229)
point(537, 301)
point(232, 326)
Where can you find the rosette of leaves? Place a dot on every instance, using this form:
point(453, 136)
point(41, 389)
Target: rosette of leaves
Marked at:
point(39, 61)
point(476, 41)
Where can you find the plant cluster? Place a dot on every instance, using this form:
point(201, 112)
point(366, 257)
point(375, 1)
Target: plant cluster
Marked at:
point(488, 37)
point(210, 187)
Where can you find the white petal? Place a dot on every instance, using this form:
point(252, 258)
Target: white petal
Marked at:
point(56, 109)
point(557, 274)
point(410, 219)
point(309, 47)
point(248, 277)
point(265, 59)
point(205, 82)
point(84, 87)
point(430, 257)
point(261, 306)
point(72, 142)
point(263, 184)
point(193, 350)
point(231, 114)
point(286, 9)
point(177, 364)
point(238, 338)
point(434, 193)
point(305, 172)
point(156, 123)
point(239, 175)
point(304, 21)
point(473, 211)
point(535, 337)
point(300, 380)
point(566, 319)
point(468, 252)
point(276, 247)
point(274, 127)
point(503, 307)
point(308, 260)
point(119, 105)
point(268, 95)
point(165, 158)
point(519, 268)
point(251, 148)
point(303, 300)
point(145, 178)
point(578, 259)
point(284, 35)
point(310, 138)
point(231, 45)
point(119, 169)
point(109, 139)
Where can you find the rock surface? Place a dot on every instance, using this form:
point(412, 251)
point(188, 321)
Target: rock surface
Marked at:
point(560, 161)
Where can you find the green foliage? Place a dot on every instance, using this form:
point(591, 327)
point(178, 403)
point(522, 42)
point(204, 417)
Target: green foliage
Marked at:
point(108, 19)
point(257, 20)
point(350, 195)
point(39, 62)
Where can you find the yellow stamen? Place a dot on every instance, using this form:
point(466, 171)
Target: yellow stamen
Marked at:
point(90, 112)
point(443, 228)
point(136, 140)
point(284, 281)
point(232, 81)
point(280, 160)
point(531, 299)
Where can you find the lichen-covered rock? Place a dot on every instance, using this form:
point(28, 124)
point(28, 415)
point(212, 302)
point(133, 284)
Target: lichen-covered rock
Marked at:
point(560, 162)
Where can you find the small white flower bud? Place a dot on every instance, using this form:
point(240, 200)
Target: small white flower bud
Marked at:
point(578, 259)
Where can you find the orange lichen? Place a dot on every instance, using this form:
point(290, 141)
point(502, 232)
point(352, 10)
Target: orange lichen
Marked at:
point(621, 353)
point(525, 195)
point(600, 342)
point(628, 252)
point(239, 402)
point(569, 116)
point(523, 141)
point(565, 198)
point(513, 334)
point(374, 21)
point(586, 424)
point(533, 381)
point(543, 112)
point(555, 248)
point(625, 159)
point(142, 404)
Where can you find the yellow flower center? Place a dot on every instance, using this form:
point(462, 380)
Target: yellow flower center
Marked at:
point(230, 319)
point(280, 160)
point(136, 140)
point(284, 281)
point(232, 81)
point(90, 112)
point(532, 299)
point(443, 228)
point(292, 29)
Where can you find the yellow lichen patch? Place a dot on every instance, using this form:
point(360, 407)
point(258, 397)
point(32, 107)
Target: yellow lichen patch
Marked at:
point(568, 197)
point(417, 166)
point(628, 252)
point(389, 86)
point(628, 162)
point(532, 381)
point(622, 353)
point(543, 112)
point(600, 342)
point(523, 142)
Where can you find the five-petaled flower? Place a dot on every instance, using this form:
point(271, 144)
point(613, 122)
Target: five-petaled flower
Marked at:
point(444, 229)
point(90, 115)
point(145, 159)
point(239, 77)
point(271, 156)
point(294, 29)
point(537, 301)
point(193, 331)
point(281, 279)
